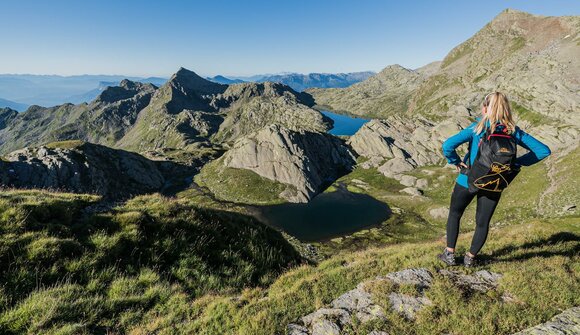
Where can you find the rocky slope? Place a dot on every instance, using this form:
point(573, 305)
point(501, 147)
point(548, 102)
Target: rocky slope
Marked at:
point(418, 142)
point(306, 162)
point(103, 121)
point(251, 106)
point(531, 58)
point(189, 110)
point(179, 114)
point(86, 168)
point(386, 93)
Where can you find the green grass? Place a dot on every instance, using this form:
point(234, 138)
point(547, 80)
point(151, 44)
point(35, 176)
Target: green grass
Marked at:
point(240, 185)
point(538, 260)
point(566, 179)
point(65, 144)
point(534, 118)
point(456, 54)
point(66, 270)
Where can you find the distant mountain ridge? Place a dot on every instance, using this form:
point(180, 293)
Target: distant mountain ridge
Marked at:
point(300, 82)
point(52, 90)
point(12, 105)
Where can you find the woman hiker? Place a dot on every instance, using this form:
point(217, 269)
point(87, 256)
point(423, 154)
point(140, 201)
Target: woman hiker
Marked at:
point(495, 110)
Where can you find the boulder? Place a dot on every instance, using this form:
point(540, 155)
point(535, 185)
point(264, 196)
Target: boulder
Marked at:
point(84, 168)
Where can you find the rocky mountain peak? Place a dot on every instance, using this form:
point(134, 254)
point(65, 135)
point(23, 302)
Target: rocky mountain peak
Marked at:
point(188, 81)
point(125, 90)
point(6, 114)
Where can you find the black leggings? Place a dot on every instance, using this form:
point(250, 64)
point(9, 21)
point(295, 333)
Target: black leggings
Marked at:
point(486, 203)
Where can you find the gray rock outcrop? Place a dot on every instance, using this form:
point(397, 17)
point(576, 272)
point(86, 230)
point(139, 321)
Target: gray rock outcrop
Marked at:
point(404, 143)
point(307, 160)
point(83, 168)
point(361, 304)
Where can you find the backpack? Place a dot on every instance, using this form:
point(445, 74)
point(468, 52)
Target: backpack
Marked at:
point(494, 166)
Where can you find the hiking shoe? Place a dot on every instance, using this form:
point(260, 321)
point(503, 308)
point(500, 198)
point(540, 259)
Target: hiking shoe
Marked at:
point(447, 257)
point(469, 261)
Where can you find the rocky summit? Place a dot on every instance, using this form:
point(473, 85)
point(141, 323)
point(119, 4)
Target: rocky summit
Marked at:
point(308, 161)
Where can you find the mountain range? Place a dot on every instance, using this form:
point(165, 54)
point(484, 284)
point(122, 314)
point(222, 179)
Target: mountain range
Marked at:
point(21, 90)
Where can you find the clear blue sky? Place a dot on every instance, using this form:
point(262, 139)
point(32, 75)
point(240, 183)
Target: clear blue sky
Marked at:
point(241, 37)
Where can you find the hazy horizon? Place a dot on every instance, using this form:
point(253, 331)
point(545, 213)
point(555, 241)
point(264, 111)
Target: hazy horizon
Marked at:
point(141, 39)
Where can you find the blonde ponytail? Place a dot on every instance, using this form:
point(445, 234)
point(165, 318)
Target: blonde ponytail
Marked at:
point(498, 109)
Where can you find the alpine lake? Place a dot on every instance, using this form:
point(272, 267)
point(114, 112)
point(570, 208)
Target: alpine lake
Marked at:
point(329, 214)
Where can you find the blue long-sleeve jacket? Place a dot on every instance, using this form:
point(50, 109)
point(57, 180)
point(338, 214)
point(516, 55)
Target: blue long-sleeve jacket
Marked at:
point(537, 149)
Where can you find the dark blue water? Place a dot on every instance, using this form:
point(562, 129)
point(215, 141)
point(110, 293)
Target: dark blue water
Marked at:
point(327, 215)
point(343, 124)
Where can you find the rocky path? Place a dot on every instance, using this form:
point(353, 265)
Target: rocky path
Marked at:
point(360, 304)
point(552, 163)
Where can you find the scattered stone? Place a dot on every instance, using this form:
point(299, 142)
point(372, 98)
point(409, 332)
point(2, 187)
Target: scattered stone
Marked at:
point(352, 300)
point(422, 183)
point(569, 208)
point(325, 327)
point(408, 180)
point(340, 315)
point(407, 305)
point(439, 212)
point(377, 332)
point(412, 191)
point(481, 281)
point(294, 329)
point(395, 166)
point(421, 277)
point(372, 162)
point(567, 322)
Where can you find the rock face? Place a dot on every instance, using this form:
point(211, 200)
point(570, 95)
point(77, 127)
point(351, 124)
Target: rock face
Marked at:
point(567, 322)
point(360, 303)
point(533, 59)
point(398, 145)
point(307, 160)
point(189, 110)
point(251, 106)
point(84, 168)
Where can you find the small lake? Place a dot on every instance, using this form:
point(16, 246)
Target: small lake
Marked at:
point(343, 124)
point(327, 215)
